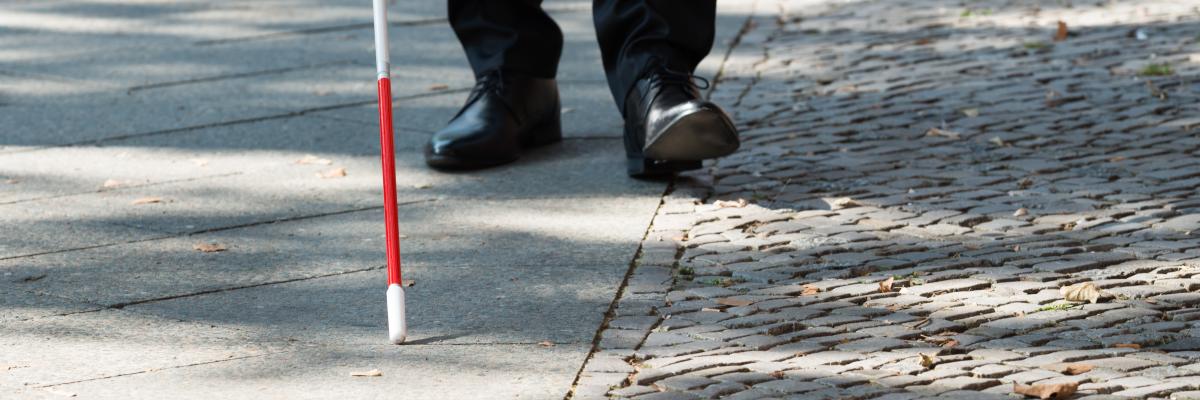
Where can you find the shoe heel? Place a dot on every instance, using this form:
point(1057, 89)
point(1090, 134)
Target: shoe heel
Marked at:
point(640, 167)
point(546, 133)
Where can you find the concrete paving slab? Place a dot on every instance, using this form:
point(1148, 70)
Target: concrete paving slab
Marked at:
point(291, 191)
point(235, 80)
point(227, 96)
point(70, 122)
point(481, 304)
point(66, 171)
point(412, 372)
point(444, 233)
point(588, 111)
point(262, 148)
point(62, 224)
point(33, 393)
point(108, 343)
point(83, 27)
point(19, 304)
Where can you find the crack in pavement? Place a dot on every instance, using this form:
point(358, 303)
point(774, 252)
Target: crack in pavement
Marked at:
point(248, 120)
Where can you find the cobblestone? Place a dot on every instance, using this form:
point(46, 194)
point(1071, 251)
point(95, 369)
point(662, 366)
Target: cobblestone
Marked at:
point(974, 163)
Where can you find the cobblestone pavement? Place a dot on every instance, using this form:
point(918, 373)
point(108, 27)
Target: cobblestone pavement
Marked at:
point(976, 157)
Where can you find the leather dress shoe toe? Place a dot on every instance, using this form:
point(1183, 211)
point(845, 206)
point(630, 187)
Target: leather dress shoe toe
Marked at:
point(670, 127)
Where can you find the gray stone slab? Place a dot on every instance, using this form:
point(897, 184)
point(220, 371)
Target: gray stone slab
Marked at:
point(58, 122)
point(67, 171)
point(480, 233)
point(237, 81)
point(448, 305)
point(245, 173)
point(62, 224)
point(411, 371)
point(588, 111)
point(81, 27)
point(18, 304)
point(108, 343)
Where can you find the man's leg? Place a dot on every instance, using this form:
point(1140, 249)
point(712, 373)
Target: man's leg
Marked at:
point(650, 49)
point(636, 34)
point(512, 35)
point(514, 48)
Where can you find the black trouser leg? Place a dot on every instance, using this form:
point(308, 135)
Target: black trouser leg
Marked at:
point(510, 35)
point(637, 34)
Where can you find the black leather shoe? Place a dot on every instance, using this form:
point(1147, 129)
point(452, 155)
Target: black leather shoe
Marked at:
point(669, 127)
point(504, 115)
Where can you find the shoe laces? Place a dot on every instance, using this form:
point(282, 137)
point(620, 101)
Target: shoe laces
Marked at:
point(665, 76)
point(490, 82)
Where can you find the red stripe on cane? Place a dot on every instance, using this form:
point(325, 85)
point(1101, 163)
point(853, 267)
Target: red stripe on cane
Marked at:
point(388, 156)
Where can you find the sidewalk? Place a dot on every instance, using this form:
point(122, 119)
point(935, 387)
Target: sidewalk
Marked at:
point(136, 132)
point(918, 180)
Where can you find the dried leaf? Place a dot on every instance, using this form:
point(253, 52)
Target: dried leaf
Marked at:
point(1081, 292)
point(1076, 369)
point(111, 183)
point(1127, 346)
point(971, 112)
point(923, 41)
point(841, 202)
point(147, 200)
point(438, 86)
point(942, 339)
point(1062, 32)
point(1021, 212)
point(311, 159)
point(886, 285)
point(1117, 159)
point(734, 302)
point(810, 290)
point(942, 133)
point(739, 203)
point(778, 375)
point(374, 372)
point(209, 247)
point(1047, 391)
point(333, 173)
point(928, 361)
point(546, 343)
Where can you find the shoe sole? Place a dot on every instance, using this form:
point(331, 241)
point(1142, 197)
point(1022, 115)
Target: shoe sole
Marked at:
point(700, 135)
point(638, 167)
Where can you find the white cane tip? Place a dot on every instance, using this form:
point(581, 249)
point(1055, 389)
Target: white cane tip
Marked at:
point(397, 337)
point(397, 326)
